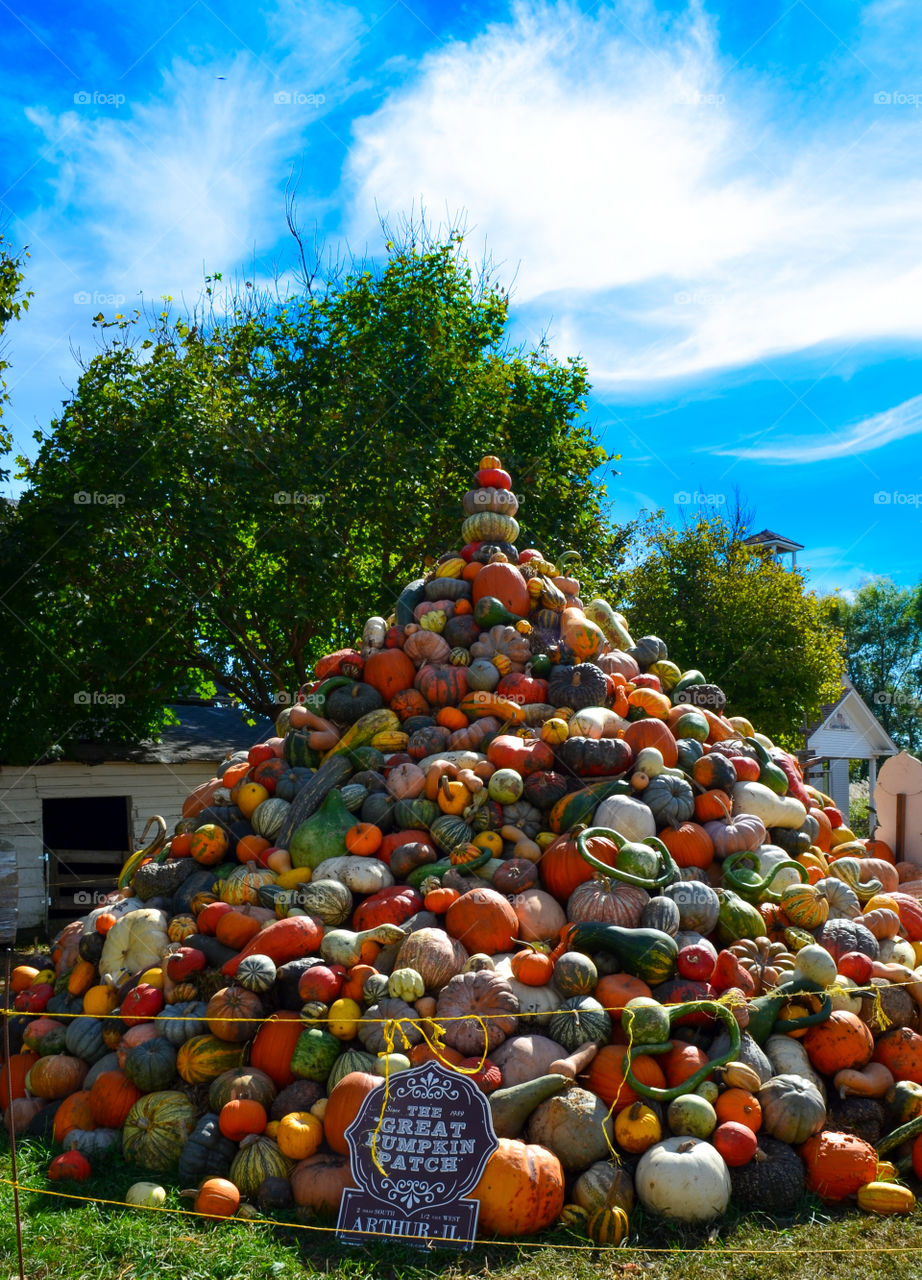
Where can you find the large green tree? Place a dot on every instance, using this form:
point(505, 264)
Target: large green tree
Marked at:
point(14, 301)
point(882, 626)
point(744, 620)
point(224, 498)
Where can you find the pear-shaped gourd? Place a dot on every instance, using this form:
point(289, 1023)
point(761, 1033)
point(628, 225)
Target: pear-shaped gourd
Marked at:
point(511, 1107)
point(323, 835)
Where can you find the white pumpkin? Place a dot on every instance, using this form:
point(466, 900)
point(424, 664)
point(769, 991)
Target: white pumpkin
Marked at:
point(596, 722)
point(770, 856)
point(361, 875)
point(683, 1178)
point(630, 818)
point(136, 942)
point(146, 1194)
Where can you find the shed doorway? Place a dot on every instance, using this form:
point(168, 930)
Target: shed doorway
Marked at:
point(86, 841)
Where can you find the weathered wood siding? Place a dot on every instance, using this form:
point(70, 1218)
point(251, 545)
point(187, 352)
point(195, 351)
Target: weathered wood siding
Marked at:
point(153, 788)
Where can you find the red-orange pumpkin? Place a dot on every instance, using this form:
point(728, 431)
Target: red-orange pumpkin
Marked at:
point(111, 1098)
point(838, 1164)
point(441, 684)
point(504, 583)
point(607, 1071)
point(562, 867)
point(19, 1067)
point(842, 1042)
point(318, 1182)
point(346, 1096)
point(653, 733)
point(240, 1117)
point(482, 920)
point(74, 1112)
point(389, 671)
point(521, 1190)
point(900, 1050)
point(410, 702)
point(274, 1045)
point(689, 844)
point(233, 1014)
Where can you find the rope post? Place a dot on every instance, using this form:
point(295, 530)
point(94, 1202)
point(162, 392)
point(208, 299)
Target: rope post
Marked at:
point(9, 1083)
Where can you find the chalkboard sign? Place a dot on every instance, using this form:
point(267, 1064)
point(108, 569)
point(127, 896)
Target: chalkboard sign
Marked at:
point(414, 1157)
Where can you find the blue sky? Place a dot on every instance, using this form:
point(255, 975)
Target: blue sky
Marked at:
point(719, 206)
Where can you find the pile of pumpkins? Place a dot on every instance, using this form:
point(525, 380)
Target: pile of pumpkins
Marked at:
point(502, 833)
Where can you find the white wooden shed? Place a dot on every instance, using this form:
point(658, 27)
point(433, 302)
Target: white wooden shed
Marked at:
point(848, 731)
point(899, 806)
point(73, 823)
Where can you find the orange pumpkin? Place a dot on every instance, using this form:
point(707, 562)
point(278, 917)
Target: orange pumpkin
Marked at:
point(521, 1190)
point(504, 583)
point(652, 733)
point(483, 920)
point(364, 839)
point(346, 1096)
point(241, 1116)
point(234, 929)
point(390, 671)
point(74, 1112)
point(209, 844)
point(607, 1071)
point(274, 1045)
point(250, 847)
point(409, 702)
point(838, 1164)
point(217, 1198)
point(112, 1096)
point(18, 1066)
point(533, 968)
point(614, 990)
point(842, 1041)
point(713, 806)
point(233, 1014)
point(741, 1106)
point(655, 705)
point(900, 1050)
point(562, 868)
point(681, 1062)
point(689, 844)
point(451, 717)
point(81, 978)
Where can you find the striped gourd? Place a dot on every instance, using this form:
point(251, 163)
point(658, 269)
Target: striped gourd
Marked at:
point(203, 1058)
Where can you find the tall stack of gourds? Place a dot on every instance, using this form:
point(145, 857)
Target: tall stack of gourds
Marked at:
point(502, 832)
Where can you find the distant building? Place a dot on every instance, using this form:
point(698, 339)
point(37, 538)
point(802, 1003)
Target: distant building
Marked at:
point(73, 823)
point(774, 545)
point(847, 730)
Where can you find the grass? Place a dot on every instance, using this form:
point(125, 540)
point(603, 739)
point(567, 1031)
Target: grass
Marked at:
point(84, 1241)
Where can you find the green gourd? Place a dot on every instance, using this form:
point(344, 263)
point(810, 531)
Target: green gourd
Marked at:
point(323, 835)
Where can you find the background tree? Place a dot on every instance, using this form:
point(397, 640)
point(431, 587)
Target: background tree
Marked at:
point(223, 499)
point(747, 623)
point(13, 302)
point(882, 627)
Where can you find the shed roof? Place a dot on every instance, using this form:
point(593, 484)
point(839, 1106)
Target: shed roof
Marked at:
point(205, 731)
point(768, 538)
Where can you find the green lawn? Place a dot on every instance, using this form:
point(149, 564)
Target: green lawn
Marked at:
point(71, 1241)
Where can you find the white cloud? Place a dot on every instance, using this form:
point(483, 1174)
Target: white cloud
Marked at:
point(636, 177)
point(862, 437)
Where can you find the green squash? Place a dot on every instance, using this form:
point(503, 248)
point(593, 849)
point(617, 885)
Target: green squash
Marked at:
point(314, 1054)
point(579, 1020)
point(151, 1065)
point(157, 1128)
point(83, 1038)
point(737, 918)
point(323, 835)
point(206, 1153)
point(259, 1158)
point(180, 1022)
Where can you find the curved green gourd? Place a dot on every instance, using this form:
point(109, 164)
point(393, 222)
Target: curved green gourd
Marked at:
point(713, 1007)
point(750, 885)
point(764, 1011)
point(771, 775)
point(650, 883)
